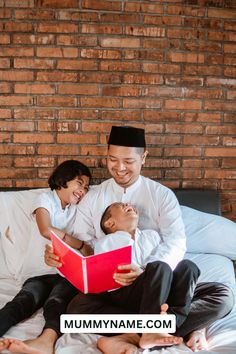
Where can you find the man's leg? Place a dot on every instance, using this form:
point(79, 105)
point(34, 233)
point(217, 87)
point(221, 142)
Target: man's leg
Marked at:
point(30, 298)
point(211, 301)
point(147, 293)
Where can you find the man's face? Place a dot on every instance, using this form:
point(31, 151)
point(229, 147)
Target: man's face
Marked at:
point(124, 164)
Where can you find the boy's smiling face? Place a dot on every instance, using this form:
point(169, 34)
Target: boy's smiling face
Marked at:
point(123, 217)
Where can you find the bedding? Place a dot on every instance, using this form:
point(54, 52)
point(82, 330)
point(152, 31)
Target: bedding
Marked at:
point(18, 250)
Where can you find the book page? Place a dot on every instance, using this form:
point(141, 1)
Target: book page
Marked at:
point(92, 274)
point(72, 262)
point(100, 269)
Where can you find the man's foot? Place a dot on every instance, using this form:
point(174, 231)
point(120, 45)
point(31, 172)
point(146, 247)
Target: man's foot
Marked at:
point(150, 340)
point(197, 340)
point(120, 344)
point(4, 343)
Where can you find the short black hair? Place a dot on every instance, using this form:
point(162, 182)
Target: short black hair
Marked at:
point(105, 216)
point(67, 171)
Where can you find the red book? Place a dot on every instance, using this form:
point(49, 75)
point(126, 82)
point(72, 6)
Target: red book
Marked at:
point(92, 274)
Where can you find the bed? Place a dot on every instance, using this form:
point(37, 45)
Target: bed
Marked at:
point(211, 243)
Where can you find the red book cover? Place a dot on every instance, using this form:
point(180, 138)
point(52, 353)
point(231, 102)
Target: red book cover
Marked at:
point(92, 274)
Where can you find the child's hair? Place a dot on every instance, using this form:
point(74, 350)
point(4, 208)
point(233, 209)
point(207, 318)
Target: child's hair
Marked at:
point(67, 171)
point(105, 216)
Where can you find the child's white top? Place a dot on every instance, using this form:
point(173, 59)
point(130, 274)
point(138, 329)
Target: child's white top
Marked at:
point(143, 247)
point(62, 219)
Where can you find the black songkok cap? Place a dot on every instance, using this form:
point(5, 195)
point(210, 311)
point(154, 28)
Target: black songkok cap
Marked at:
point(127, 136)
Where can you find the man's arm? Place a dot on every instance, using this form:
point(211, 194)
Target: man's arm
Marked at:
point(171, 229)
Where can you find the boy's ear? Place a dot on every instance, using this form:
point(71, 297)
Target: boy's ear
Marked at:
point(109, 224)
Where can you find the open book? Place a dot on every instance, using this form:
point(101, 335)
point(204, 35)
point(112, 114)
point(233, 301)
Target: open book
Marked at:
point(92, 274)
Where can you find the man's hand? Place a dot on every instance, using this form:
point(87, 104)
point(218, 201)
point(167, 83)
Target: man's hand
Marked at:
point(50, 258)
point(127, 275)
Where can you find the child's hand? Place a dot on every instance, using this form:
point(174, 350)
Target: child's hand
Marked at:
point(127, 275)
point(50, 258)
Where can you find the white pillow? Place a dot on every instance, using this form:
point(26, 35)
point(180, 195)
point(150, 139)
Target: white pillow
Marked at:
point(209, 233)
point(15, 219)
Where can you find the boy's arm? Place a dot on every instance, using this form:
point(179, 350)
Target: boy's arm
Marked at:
point(44, 225)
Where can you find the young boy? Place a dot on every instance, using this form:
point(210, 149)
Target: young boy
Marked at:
point(54, 209)
point(156, 285)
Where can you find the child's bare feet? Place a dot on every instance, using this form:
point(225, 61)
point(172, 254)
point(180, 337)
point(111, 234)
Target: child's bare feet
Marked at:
point(4, 343)
point(120, 344)
point(44, 344)
point(197, 340)
point(18, 346)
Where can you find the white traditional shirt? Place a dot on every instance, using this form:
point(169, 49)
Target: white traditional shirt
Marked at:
point(158, 210)
point(144, 245)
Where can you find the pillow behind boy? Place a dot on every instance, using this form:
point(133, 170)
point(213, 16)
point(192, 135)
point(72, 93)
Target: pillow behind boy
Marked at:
point(209, 233)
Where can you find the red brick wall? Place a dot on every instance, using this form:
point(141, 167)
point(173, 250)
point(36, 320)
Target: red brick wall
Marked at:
point(69, 69)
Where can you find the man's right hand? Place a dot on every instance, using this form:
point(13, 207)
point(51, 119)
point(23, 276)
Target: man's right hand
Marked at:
point(50, 258)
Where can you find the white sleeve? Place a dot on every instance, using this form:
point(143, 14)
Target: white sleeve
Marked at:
point(41, 201)
point(172, 246)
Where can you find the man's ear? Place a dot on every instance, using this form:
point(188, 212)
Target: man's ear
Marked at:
point(110, 224)
point(144, 157)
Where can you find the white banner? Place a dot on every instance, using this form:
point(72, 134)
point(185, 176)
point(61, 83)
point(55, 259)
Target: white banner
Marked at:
point(118, 323)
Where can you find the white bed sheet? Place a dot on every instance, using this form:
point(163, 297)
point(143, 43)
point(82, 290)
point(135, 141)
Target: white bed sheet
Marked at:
point(221, 335)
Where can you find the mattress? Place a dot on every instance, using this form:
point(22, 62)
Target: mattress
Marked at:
point(221, 335)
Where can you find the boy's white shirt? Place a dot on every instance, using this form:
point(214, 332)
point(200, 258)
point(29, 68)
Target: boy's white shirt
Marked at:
point(143, 246)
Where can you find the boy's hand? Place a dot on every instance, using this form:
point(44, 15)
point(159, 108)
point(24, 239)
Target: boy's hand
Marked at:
point(127, 275)
point(50, 258)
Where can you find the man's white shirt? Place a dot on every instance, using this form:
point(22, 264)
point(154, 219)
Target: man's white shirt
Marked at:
point(158, 210)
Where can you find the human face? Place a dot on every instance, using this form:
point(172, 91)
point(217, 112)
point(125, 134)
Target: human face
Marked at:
point(124, 217)
point(75, 191)
point(124, 164)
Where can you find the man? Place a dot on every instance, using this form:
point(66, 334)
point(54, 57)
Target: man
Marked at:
point(159, 210)
point(157, 205)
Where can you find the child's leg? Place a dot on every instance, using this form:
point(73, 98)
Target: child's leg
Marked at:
point(30, 298)
point(55, 305)
point(57, 302)
point(184, 282)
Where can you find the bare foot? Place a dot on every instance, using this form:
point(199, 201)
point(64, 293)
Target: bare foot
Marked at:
point(197, 340)
point(44, 344)
point(4, 343)
point(121, 344)
point(150, 340)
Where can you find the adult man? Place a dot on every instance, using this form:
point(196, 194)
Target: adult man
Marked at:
point(157, 205)
point(159, 210)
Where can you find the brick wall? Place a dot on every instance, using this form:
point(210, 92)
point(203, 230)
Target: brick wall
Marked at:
point(69, 69)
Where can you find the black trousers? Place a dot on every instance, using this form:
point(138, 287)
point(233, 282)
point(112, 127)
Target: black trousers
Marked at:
point(52, 292)
point(195, 306)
